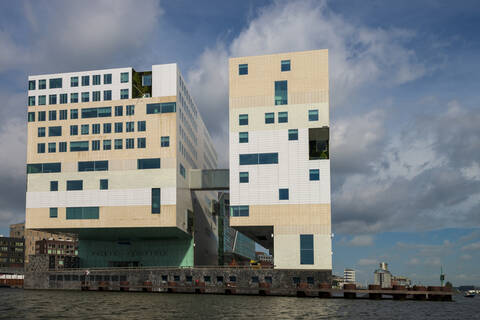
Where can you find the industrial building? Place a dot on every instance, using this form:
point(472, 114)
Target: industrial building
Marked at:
point(11, 254)
point(279, 156)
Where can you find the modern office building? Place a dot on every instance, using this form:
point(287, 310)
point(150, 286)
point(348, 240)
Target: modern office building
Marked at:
point(108, 158)
point(279, 156)
point(349, 276)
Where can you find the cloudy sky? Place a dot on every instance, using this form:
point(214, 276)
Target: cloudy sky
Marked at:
point(404, 79)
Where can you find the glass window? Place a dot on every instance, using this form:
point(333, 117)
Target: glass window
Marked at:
point(130, 110)
point(141, 126)
point(148, 163)
point(42, 100)
point(85, 96)
point(243, 137)
point(243, 177)
point(85, 80)
point(293, 134)
point(62, 147)
point(243, 119)
point(107, 144)
point(312, 115)
point(118, 127)
point(55, 131)
point(63, 98)
point(96, 112)
point(283, 194)
point(107, 78)
point(74, 82)
point(84, 128)
point(103, 184)
point(52, 115)
point(41, 132)
point(141, 143)
point(95, 145)
point(73, 130)
point(42, 116)
point(281, 92)
point(31, 85)
point(73, 113)
point(247, 159)
point(165, 141)
point(55, 83)
point(42, 84)
point(31, 117)
point(283, 117)
point(270, 117)
point(119, 111)
point(74, 213)
point(41, 148)
point(73, 185)
point(239, 211)
point(63, 114)
point(314, 174)
point(130, 126)
point(78, 146)
point(96, 128)
point(107, 128)
point(285, 65)
point(52, 99)
point(107, 95)
point(31, 101)
point(129, 143)
point(124, 77)
point(182, 171)
point(53, 185)
point(118, 144)
point(52, 147)
point(147, 80)
point(318, 143)
point(53, 212)
point(44, 167)
point(96, 96)
point(258, 158)
point(156, 200)
point(242, 69)
point(306, 249)
point(123, 93)
point(96, 80)
point(166, 107)
point(74, 97)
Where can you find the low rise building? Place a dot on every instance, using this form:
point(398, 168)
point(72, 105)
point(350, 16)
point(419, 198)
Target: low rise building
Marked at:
point(401, 281)
point(11, 254)
point(62, 254)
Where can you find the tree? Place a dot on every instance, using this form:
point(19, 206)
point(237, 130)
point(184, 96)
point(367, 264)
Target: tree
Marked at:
point(448, 284)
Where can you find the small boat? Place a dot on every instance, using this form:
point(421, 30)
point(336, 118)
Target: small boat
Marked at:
point(469, 294)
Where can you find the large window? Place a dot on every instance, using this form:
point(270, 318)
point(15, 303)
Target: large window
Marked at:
point(31, 117)
point(31, 101)
point(124, 77)
point(85, 80)
point(55, 83)
point(74, 97)
point(306, 249)
point(52, 147)
point(96, 80)
point(62, 147)
point(44, 167)
point(96, 112)
point(52, 99)
point(53, 212)
point(85, 96)
point(243, 119)
point(130, 110)
point(84, 128)
point(129, 143)
point(281, 92)
point(243, 177)
point(101, 165)
point(242, 69)
point(96, 96)
point(118, 143)
point(258, 158)
point(78, 146)
point(283, 117)
point(73, 113)
point(42, 116)
point(55, 131)
point(312, 115)
point(42, 100)
point(165, 141)
point(293, 134)
point(42, 84)
point(285, 65)
point(74, 213)
point(52, 115)
point(74, 185)
point(63, 98)
point(107, 144)
point(167, 107)
point(156, 200)
point(283, 194)
point(74, 130)
point(318, 141)
point(118, 111)
point(243, 137)
point(96, 128)
point(107, 95)
point(239, 211)
point(148, 163)
point(107, 128)
point(141, 126)
point(118, 127)
point(314, 174)
point(269, 117)
point(95, 145)
point(41, 132)
point(141, 143)
point(74, 82)
point(31, 85)
point(123, 93)
point(147, 80)
point(63, 114)
point(130, 126)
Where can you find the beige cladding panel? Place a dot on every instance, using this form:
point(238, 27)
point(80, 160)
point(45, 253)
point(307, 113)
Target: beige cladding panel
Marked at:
point(307, 80)
point(157, 125)
point(109, 217)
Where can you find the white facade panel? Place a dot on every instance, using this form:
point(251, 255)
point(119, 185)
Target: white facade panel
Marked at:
point(164, 80)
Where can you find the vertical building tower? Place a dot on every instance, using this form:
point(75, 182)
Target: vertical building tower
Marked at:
point(108, 158)
point(279, 156)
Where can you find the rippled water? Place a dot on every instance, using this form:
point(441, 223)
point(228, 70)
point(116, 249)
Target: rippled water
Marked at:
point(20, 304)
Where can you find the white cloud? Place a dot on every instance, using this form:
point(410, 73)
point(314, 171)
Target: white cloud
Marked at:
point(471, 246)
point(361, 241)
point(367, 262)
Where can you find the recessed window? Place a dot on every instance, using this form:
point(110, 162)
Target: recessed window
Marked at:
point(85, 80)
point(96, 80)
point(74, 82)
point(283, 194)
point(103, 184)
point(107, 95)
point(306, 249)
point(42, 100)
point(312, 115)
point(118, 144)
point(165, 141)
point(258, 158)
point(147, 80)
point(62, 147)
point(269, 117)
point(31, 101)
point(165, 107)
point(31, 85)
point(141, 143)
point(55, 131)
point(281, 96)
point(78, 146)
point(318, 143)
point(53, 212)
point(118, 127)
point(53, 185)
point(63, 114)
point(42, 84)
point(52, 99)
point(130, 126)
point(242, 69)
point(107, 128)
point(314, 174)
point(283, 117)
point(95, 145)
point(100, 165)
point(74, 185)
point(285, 65)
point(123, 93)
point(74, 97)
point(73, 130)
point(118, 111)
point(52, 115)
point(107, 144)
point(124, 77)
point(85, 96)
point(107, 78)
point(31, 117)
point(243, 177)
point(73, 113)
point(55, 83)
point(96, 96)
point(96, 128)
point(243, 137)
point(74, 213)
point(130, 110)
point(293, 134)
point(141, 126)
point(52, 147)
point(239, 211)
point(153, 163)
point(63, 98)
point(156, 201)
point(84, 128)
point(243, 119)
point(129, 143)
point(41, 132)
point(42, 116)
